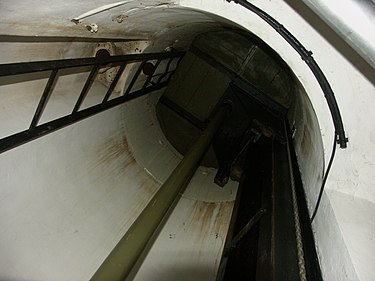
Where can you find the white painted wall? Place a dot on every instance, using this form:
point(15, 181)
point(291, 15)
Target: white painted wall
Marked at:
point(345, 249)
point(67, 198)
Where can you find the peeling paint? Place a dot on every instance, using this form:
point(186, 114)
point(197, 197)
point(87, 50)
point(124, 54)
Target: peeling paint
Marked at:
point(119, 18)
point(93, 27)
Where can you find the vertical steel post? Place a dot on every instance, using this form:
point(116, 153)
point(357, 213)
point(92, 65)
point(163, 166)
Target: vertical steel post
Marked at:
point(123, 257)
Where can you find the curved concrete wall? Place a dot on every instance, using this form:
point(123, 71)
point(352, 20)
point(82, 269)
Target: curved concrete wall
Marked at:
point(342, 239)
point(68, 198)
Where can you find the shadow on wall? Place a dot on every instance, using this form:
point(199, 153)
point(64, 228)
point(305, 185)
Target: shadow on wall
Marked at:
point(335, 40)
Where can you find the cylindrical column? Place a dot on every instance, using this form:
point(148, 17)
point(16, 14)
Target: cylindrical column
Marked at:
point(353, 20)
point(123, 257)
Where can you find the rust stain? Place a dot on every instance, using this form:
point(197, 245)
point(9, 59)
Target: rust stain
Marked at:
point(223, 216)
point(306, 140)
point(148, 183)
point(116, 150)
point(210, 218)
point(112, 149)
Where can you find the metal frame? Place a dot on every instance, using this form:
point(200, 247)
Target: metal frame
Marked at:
point(35, 130)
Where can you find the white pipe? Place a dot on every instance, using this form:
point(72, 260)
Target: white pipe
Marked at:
point(353, 20)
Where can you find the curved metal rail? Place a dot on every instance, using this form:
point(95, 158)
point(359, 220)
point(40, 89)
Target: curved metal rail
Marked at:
point(309, 60)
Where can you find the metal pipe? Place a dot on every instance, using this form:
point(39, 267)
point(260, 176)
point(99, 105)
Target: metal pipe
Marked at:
point(353, 20)
point(123, 257)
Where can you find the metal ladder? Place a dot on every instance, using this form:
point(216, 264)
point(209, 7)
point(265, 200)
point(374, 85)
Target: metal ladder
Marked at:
point(155, 80)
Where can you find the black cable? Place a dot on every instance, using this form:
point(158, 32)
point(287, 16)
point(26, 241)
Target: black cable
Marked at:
point(325, 178)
